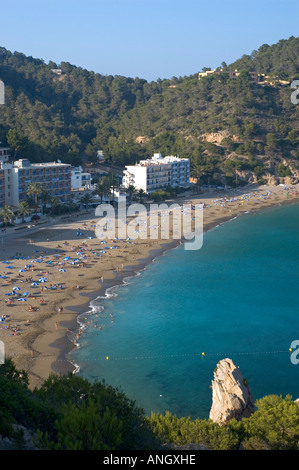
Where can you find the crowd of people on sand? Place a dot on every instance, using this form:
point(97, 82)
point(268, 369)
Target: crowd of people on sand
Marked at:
point(13, 330)
point(287, 190)
point(38, 275)
point(33, 279)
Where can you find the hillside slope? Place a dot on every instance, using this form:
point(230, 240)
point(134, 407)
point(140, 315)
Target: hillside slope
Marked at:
point(233, 129)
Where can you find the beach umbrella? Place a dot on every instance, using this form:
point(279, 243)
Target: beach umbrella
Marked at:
point(21, 270)
point(22, 300)
point(25, 294)
point(62, 270)
point(34, 284)
point(16, 288)
point(42, 279)
point(10, 293)
point(67, 258)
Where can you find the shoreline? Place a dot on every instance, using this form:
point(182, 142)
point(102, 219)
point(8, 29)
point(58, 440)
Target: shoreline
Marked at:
point(111, 284)
point(118, 280)
point(40, 348)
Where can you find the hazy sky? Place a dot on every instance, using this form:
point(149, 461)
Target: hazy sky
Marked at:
point(149, 39)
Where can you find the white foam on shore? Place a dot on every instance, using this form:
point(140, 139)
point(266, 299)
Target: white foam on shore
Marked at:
point(109, 293)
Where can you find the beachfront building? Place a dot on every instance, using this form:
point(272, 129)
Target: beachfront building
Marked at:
point(2, 187)
point(54, 177)
point(80, 179)
point(4, 175)
point(158, 172)
point(4, 154)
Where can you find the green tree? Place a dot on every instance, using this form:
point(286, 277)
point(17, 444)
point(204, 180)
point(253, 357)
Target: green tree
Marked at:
point(293, 136)
point(249, 130)
point(6, 214)
point(102, 188)
point(271, 142)
point(159, 195)
point(35, 190)
point(93, 416)
point(86, 200)
point(55, 204)
point(9, 371)
point(131, 190)
point(283, 170)
point(45, 197)
point(85, 428)
point(275, 424)
point(181, 431)
point(23, 209)
point(141, 195)
point(17, 141)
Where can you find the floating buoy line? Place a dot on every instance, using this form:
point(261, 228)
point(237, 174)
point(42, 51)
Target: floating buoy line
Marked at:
point(167, 356)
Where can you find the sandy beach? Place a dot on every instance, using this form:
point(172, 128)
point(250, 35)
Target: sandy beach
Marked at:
point(50, 273)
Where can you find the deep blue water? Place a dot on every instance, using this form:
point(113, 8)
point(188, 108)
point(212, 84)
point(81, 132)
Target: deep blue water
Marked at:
point(236, 297)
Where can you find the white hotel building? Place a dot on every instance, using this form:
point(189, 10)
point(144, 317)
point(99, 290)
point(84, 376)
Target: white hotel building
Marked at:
point(80, 179)
point(158, 173)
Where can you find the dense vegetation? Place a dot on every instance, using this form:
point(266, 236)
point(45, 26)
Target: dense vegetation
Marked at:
point(73, 115)
point(70, 413)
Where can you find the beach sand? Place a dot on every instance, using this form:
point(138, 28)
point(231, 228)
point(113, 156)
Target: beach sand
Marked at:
point(39, 340)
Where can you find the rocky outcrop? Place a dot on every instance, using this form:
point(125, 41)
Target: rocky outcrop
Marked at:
point(231, 395)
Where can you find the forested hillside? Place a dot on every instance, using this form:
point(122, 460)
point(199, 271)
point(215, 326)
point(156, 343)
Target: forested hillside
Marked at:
point(233, 129)
point(71, 413)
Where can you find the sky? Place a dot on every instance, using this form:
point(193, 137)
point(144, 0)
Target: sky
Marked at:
point(149, 39)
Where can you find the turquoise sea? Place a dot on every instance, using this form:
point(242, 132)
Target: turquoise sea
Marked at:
point(236, 297)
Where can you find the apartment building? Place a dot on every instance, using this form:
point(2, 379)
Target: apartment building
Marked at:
point(79, 178)
point(158, 172)
point(4, 154)
point(54, 177)
point(16, 178)
point(2, 187)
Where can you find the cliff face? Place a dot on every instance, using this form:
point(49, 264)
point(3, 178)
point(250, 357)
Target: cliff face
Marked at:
point(232, 397)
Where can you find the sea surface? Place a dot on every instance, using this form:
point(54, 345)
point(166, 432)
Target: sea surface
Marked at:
point(236, 297)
